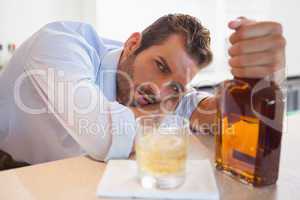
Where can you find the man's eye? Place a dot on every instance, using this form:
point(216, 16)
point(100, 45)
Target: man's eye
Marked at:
point(175, 88)
point(161, 67)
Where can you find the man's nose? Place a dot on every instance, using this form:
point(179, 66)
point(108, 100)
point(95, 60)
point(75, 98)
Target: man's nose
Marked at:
point(158, 92)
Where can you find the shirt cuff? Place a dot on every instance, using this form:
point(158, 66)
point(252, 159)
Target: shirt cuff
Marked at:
point(123, 132)
point(189, 103)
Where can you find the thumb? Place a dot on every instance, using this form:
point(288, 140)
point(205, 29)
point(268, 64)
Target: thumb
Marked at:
point(240, 21)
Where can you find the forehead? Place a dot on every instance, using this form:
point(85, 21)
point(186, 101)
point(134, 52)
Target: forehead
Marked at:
point(174, 52)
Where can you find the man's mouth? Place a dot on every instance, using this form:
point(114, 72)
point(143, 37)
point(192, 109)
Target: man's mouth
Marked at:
point(145, 99)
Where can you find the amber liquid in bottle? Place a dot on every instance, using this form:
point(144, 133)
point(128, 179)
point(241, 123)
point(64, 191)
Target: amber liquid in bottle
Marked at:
point(248, 140)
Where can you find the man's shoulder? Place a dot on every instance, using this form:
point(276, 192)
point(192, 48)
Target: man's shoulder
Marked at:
point(65, 37)
point(77, 32)
point(68, 25)
point(69, 29)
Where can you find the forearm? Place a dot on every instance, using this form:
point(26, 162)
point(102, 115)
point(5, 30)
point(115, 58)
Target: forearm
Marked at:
point(203, 118)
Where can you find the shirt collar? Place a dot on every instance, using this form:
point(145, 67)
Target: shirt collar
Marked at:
point(107, 80)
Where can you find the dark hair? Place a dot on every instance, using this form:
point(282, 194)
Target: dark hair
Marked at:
point(197, 37)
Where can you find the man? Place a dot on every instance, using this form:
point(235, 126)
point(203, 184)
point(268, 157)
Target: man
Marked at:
point(68, 92)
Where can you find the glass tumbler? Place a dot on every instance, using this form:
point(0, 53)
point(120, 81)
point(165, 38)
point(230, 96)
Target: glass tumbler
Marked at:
point(161, 150)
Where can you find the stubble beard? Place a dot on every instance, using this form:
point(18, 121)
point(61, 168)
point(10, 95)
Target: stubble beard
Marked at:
point(125, 92)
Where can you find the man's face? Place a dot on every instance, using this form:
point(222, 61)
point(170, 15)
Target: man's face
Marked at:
point(156, 75)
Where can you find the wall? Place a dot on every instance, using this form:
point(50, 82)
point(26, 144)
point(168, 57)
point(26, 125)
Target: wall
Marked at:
point(118, 18)
point(287, 12)
point(19, 19)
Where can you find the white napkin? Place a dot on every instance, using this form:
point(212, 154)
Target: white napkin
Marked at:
point(120, 181)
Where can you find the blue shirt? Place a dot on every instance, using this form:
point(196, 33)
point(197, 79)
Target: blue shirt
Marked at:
point(58, 97)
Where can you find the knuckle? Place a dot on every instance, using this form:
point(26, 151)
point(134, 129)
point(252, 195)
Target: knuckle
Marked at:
point(277, 27)
point(230, 62)
point(241, 33)
point(238, 35)
point(239, 48)
point(279, 40)
point(234, 62)
point(231, 52)
point(242, 17)
point(233, 38)
point(282, 42)
point(236, 49)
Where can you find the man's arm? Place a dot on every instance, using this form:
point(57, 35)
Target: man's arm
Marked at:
point(203, 118)
point(62, 74)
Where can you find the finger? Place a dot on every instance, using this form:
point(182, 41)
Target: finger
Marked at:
point(240, 21)
point(261, 58)
point(271, 42)
point(256, 30)
point(255, 71)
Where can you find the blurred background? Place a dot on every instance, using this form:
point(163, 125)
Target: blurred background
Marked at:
point(117, 19)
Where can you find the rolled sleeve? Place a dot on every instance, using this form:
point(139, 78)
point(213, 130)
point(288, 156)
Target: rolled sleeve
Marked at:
point(189, 103)
point(122, 130)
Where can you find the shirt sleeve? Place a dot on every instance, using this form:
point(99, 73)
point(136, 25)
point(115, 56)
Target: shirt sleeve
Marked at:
point(189, 102)
point(61, 69)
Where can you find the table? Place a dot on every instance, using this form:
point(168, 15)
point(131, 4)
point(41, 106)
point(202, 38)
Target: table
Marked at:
point(77, 178)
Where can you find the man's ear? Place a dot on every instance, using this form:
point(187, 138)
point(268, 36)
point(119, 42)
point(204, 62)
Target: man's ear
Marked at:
point(132, 43)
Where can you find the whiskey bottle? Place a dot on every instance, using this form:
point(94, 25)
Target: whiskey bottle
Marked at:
point(250, 120)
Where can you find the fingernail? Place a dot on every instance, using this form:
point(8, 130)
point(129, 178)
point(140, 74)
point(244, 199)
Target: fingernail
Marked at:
point(235, 23)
